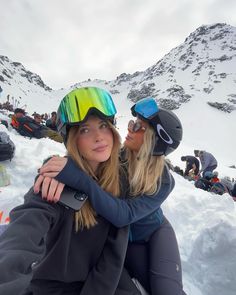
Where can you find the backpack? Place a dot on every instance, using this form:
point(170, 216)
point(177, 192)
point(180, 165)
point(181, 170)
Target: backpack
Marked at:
point(178, 170)
point(218, 188)
point(203, 183)
point(27, 127)
point(7, 147)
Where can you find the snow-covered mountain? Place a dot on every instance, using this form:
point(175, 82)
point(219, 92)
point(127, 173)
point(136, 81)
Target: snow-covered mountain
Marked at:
point(24, 88)
point(197, 80)
point(202, 68)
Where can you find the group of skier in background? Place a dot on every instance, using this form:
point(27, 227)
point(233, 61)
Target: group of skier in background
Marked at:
point(206, 178)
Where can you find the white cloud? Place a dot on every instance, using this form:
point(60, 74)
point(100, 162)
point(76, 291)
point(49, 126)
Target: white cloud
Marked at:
point(69, 41)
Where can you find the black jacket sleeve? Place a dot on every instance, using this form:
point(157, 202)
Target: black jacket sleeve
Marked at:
point(119, 211)
point(22, 244)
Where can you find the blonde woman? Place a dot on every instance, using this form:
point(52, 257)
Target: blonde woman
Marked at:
point(153, 255)
point(50, 249)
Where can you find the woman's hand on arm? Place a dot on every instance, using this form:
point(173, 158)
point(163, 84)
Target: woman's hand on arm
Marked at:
point(51, 189)
point(53, 166)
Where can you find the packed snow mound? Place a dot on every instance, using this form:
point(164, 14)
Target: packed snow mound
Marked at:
point(205, 226)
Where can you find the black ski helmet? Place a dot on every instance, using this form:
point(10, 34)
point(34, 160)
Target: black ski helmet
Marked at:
point(77, 105)
point(166, 124)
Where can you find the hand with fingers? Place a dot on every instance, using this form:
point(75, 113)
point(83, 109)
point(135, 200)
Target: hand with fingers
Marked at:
point(51, 189)
point(53, 166)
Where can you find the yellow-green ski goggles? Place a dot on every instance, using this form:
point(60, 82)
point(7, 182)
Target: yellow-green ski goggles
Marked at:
point(77, 105)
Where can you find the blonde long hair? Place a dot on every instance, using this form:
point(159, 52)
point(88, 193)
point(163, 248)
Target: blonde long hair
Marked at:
point(144, 169)
point(107, 175)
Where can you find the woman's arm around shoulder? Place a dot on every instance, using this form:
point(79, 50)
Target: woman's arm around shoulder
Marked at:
point(119, 211)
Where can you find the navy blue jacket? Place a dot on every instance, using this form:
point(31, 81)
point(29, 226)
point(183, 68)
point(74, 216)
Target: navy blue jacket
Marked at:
point(143, 212)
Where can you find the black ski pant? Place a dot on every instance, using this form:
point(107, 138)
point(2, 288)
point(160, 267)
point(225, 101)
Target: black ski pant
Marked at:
point(156, 263)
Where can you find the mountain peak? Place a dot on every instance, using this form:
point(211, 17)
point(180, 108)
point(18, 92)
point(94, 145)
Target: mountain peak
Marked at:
point(199, 67)
point(218, 30)
point(12, 71)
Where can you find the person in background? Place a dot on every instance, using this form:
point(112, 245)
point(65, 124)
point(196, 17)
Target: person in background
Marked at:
point(46, 116)
point(208, 161)
point(224, 185)
point(38, 118)
point(155, 133)
point(32, 128)
point(51, 249)
point(16, 118)
point(233, 193)
point(215, 178)
point(192, 165)
point(226, 181)
point(46, 131)
point(51, 123)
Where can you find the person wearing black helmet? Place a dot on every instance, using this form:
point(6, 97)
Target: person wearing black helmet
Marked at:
point(49, 248)
point(156, 133)
point(167, 126)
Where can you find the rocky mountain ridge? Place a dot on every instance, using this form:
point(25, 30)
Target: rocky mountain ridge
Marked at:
point(12, 69)
point(205, 63)
point(202, 67)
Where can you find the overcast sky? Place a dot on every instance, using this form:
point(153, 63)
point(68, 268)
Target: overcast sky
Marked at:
point(68, 41)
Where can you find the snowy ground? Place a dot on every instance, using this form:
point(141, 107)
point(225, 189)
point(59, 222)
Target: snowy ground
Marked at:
point(205, 224)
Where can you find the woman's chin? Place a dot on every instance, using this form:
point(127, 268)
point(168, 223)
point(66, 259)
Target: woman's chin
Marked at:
point(127, 144)
point(103, 157)
point(127, 141)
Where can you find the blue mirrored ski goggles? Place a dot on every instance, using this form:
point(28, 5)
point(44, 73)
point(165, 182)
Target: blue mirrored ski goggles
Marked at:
point(146, 107)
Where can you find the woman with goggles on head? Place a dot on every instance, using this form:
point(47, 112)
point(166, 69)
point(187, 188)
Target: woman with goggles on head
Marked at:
point(152, 256)
point(50, 249)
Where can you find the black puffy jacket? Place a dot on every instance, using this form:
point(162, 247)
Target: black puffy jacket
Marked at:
point(41, 250)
